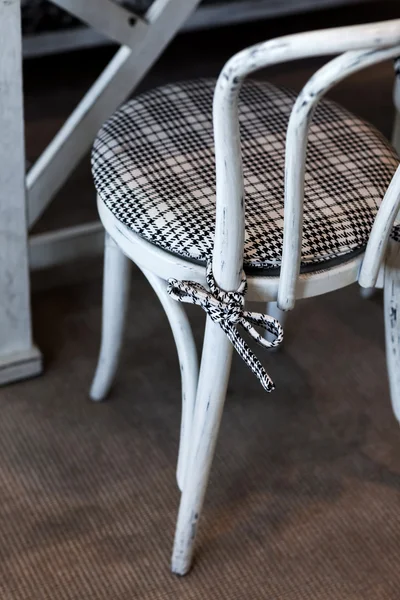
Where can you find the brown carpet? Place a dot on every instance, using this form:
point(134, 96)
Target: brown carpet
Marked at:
point(304, 497)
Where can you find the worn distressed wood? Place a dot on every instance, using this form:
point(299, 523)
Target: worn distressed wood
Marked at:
point(228, 159)
point(213, 383)
point(363, 46)
point(18, 356)
point(115, 301)
point(392, 322)
point(296, 150)
point(114, 85)
point(378, 239)
point(260, 289)
point(229, 232)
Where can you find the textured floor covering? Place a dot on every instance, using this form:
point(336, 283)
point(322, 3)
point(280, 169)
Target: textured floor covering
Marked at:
point(304, 499)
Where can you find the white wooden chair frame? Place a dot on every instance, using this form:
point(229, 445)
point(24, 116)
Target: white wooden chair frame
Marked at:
point(142, 41)
point(201, 414)
point(383, 253)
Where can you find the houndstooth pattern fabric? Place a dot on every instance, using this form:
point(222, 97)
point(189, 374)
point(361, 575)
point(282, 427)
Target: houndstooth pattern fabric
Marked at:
point(395, 235)
point(227, 309)
point(153, 166)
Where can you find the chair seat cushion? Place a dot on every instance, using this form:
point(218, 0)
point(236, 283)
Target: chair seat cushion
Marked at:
point(153, 166)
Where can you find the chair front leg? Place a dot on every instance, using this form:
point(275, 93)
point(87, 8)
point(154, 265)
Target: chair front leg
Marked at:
point(392, 322)
point(116, 283)
point(213, 382)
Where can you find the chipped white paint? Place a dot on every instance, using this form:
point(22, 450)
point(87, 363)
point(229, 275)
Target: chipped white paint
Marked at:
point(363, 45)
point(227, 138)
point(213, 382)
point(229, 236)
point(383, 254)
point(378, 239)
point(18, 357)
point(260, 289)
point(144, 39)
point(296, 148)
point(392, 322)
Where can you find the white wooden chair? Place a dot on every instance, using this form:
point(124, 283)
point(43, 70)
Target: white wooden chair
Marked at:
point(382, 258)
point(304, 234)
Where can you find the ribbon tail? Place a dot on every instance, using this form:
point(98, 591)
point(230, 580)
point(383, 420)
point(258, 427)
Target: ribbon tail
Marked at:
point(248, 356)
point(266, 322)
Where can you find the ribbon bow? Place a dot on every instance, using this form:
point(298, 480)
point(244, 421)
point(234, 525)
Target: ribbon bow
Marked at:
point(227, 309)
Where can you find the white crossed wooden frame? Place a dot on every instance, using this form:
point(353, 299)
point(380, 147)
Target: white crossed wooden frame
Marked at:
point(142, 41)
point(23, 200)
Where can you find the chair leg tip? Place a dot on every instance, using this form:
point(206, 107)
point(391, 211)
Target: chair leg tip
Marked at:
point(96, 395)
point(180, 570)
point(181, 563)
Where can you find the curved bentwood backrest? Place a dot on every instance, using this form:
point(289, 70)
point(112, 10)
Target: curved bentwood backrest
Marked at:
point(362, 46)
point(378, 240)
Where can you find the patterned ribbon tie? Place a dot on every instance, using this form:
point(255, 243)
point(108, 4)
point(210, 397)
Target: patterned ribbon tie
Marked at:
point(227, 309)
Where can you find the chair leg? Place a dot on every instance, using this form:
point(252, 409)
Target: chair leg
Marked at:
point(213, 382)
point(392, 322)
point(188, 362)
point(115, 300)
point(281, 315)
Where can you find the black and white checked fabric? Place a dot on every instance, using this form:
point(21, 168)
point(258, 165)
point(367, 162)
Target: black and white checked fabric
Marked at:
point(227, 309)
point(153, 166)
point(395, 235)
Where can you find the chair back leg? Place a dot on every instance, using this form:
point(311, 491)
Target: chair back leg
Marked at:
point(392, 322)
point(116, 285)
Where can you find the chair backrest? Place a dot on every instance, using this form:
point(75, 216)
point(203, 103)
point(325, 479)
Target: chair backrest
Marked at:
point(362, 46)
point(388, 213)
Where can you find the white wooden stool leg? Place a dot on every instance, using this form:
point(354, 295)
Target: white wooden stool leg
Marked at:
point(281, 315)
point(115, 300)
point(213, 382)
point(188, 362)
point(392, 322)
